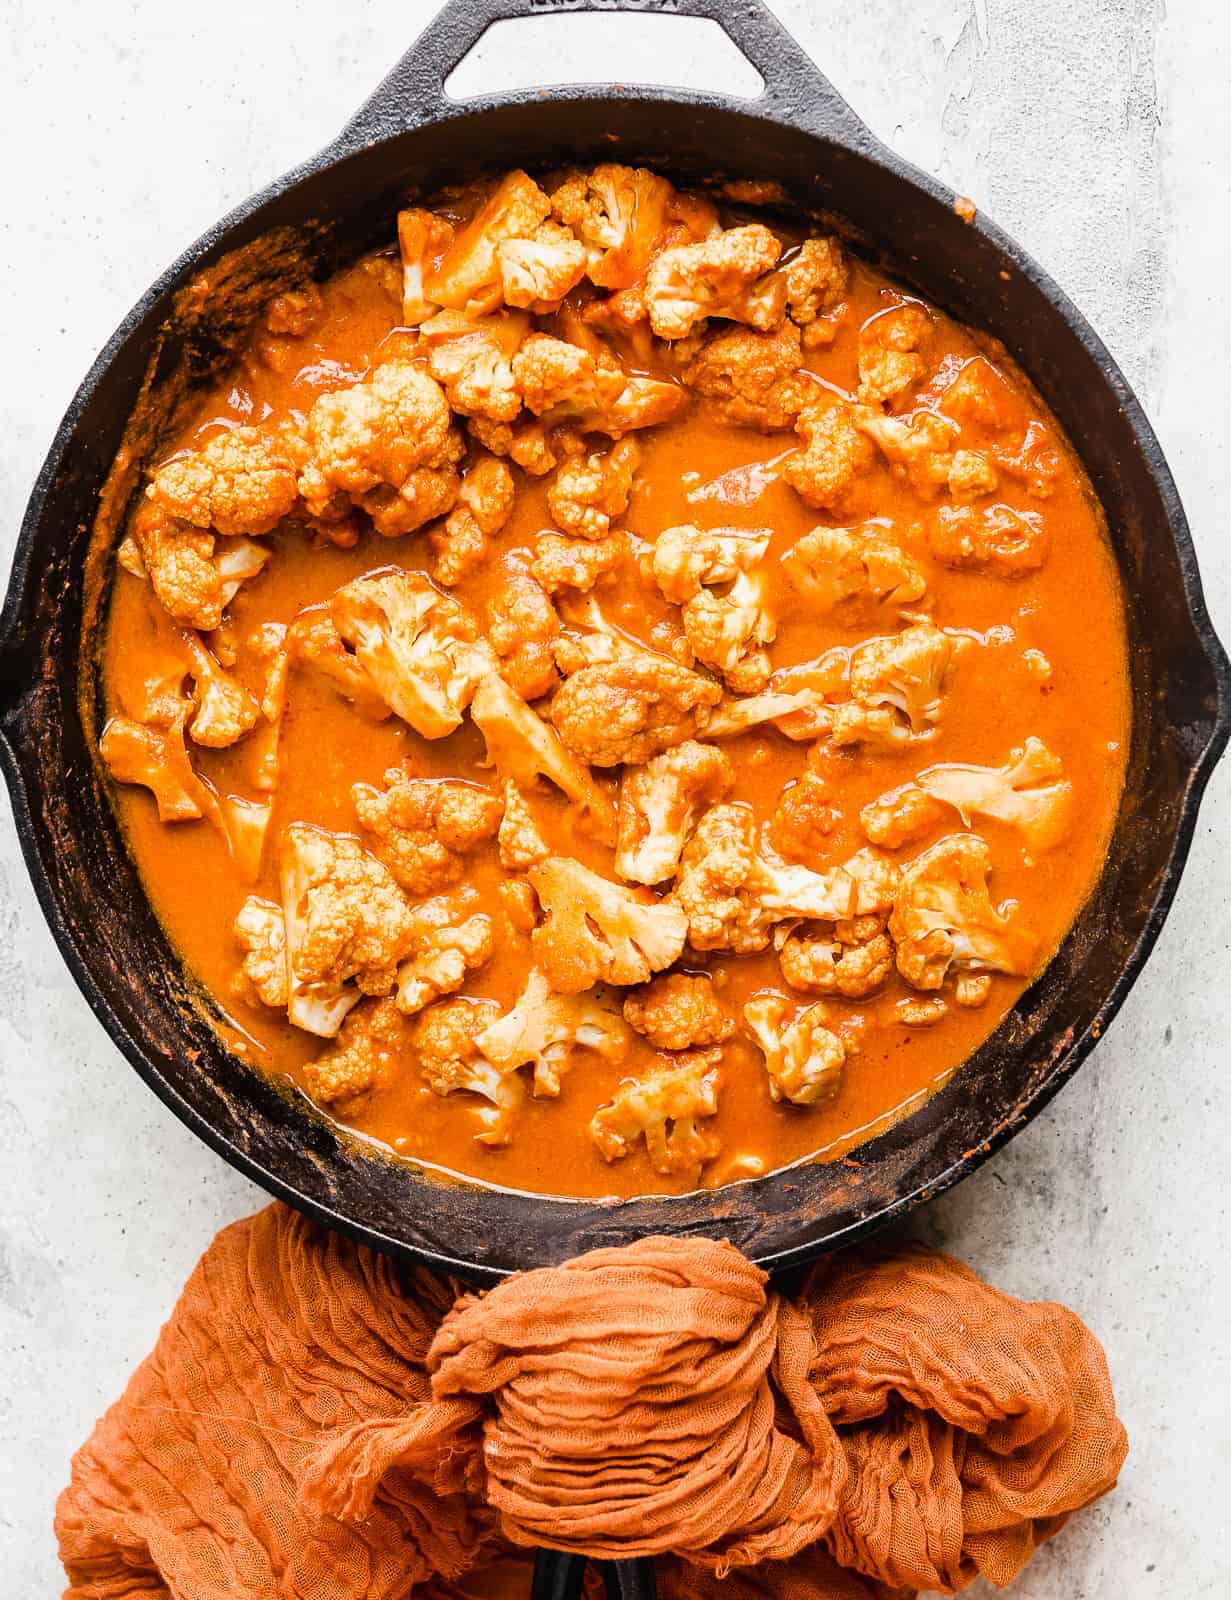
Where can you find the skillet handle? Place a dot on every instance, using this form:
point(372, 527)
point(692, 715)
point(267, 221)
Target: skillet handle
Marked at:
point(558, 1575)
point(414, 93)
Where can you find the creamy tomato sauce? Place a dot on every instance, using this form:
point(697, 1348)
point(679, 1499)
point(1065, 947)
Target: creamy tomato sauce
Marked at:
point(1038, 654)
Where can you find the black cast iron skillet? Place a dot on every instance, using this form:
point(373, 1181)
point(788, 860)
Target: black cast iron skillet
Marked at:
point(410, 138)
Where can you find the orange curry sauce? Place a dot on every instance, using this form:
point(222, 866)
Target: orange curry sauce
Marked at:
point(1044, 658)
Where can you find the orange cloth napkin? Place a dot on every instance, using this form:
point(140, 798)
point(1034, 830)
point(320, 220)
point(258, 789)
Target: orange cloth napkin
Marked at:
point(315, 1425)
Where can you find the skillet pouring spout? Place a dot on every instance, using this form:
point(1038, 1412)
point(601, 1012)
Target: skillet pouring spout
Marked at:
point(411, 140)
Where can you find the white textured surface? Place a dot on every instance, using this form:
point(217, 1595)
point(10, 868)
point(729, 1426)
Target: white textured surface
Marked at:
point(1098, 132)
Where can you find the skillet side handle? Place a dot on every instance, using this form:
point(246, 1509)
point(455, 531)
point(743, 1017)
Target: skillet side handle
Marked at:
point(559, 1575)
point(414, 93)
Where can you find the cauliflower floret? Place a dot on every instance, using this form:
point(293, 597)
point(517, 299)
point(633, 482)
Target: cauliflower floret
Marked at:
point(422, 238)
point(372, 1043)
point(944, 918)
point(889, 343)
point(733, 896)
point(527, 443)
point(537, 273)
point(1029, 793)
point(803, 1058)
point(225, 711)
point(428, 493)
point(445, 1043)
point(630, 709)
point(577, 563)
point(833, 454)
point(921, 447)
point(157, 759)
point(797, 701)
point(419, 647)
point(852, 958)
point(565, 380)
point(643, 402)
point(522, 627)
point(803, 819)
point(664, 1106)
point(730, 632)
point(687, 559)
point(596, 931)
point(484, 505)
point(260, 932)
point(840, 567)
point(522, 747)
point(618, 213)
point(816, 280)
point(900, 816)
point(547, 1028)
point(194, 574)
point(904, 671)
point(423, 828)
point(448, 940)
point(242, 481)
point(730, 275)
point(345, 918)
point(660, 802)
point(313, 640)
point(473, 361)
point(590, 492)
point(993, 539)
point(1033, 459)
point(521, 844)
point(468, 277)
point(753, 378)
point(376, 436)
point(679, 1012)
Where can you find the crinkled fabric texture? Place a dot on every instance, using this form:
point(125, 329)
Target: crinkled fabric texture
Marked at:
point(311, 1426)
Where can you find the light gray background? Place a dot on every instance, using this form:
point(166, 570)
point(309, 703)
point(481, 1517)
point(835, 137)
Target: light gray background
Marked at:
point(1098, 132)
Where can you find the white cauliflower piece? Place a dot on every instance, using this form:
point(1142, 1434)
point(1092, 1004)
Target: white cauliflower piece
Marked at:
point(448, 940)
point(833, 454)
point(836, 568)
point(1029, 793)
point(260, 932)
point(664, 1107)
point(732, 895)
point(730, 275)
point(816, 281)
point(538, 272)
point(445, 1042)
point(618, 213)
point(566, 382)
point(469, 277)
point(590, 492)
point(900, 816)
point(484, 504)
point(345, 919)
point(803, 1058)
point(524, 748)
point(194, 573)
point(688, 559)
point(521, 843)
point(944, 919)
point(753, 379)
point(852, 958)
point(242, 481)
point(596, 931)
point(313, 641)
point(660, 802)
point(546, 1029)
point(422, 239)
point(577, 564)
point(922, 448)
point(473, 360)
point(417, 645)
point(522, 628)
point(729, 632)
point(903, 671)
point(225, 711)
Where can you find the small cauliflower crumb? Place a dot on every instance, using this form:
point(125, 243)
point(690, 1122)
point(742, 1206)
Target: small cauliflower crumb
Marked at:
point(679, 1011)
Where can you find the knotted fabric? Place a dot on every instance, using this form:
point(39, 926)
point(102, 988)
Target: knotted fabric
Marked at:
point(313, 1425)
